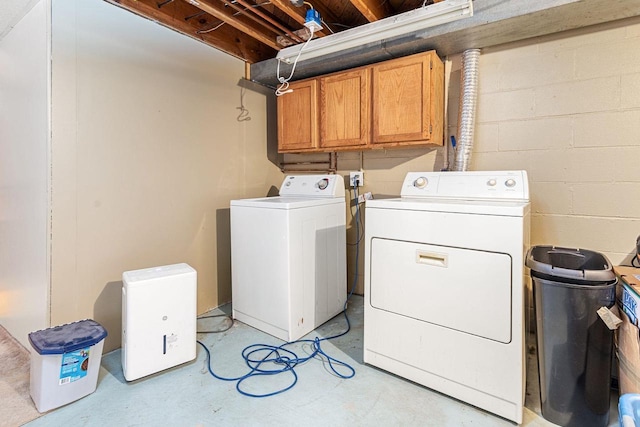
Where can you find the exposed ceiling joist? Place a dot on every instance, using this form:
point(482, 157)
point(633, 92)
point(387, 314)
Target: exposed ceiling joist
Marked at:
point(255, 30)
point(373, 10)
point(192, 22)
point(251, 29)
point(217, 9)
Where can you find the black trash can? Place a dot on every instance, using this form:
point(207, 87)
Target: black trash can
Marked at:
point(574, 344)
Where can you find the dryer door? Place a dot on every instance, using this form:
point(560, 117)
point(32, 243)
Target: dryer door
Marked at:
point(462, 289)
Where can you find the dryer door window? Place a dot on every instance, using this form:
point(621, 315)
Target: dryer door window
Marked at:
point(462, 289)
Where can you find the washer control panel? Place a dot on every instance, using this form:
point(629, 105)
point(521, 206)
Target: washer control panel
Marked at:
point(467, 185)
point(313, 185)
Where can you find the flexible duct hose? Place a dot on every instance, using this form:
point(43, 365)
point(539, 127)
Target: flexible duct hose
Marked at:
point(467, 110)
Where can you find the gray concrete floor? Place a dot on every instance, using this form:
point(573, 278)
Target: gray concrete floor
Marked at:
point(188, 395)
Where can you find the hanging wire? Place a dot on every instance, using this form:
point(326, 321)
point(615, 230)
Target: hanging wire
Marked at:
point(210, 29)
point(244, 113)
point(284, 81)
point(327, 26)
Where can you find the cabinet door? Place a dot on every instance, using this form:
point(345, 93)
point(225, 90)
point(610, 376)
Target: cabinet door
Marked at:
point(345, 109)
point(403, 106)
point(298, 117)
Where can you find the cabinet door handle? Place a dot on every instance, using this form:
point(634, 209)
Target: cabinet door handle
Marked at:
point(432, 258)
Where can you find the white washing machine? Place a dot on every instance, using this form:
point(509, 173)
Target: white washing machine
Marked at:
point(288, 256)
point(445, 287)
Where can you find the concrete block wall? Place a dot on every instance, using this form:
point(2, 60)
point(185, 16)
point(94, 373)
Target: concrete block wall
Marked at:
point(567, 109)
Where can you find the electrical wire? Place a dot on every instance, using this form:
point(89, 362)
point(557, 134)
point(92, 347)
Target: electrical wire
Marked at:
point(244, 112)
point(356, 217)
point(327, 25)
point(218, 331)
point(284, 82)
point(266, 359)
point(210, 29)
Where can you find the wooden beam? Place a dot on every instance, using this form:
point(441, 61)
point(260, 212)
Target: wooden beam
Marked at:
point(219, 12)
point(173, 16)
point(373, 10)
point(296, 13)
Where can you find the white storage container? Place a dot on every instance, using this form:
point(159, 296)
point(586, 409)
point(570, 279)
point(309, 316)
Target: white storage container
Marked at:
point(65, 361)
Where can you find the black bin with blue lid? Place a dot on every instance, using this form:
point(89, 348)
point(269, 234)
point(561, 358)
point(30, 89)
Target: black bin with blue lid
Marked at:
point(574, 344)
point(65, 361)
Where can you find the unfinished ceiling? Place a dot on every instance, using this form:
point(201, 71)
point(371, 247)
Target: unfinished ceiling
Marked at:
point(255, 30)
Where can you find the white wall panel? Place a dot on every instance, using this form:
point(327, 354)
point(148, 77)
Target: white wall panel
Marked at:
point(24, 175)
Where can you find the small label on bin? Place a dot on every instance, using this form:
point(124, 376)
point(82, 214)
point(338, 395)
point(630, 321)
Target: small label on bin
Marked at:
point(611, 320)
point(74, 366)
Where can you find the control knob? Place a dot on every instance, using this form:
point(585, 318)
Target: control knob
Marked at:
point(510, 183)
point(420, 182)
point(323, 183)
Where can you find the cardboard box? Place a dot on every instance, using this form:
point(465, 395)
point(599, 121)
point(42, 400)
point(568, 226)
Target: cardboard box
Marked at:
point(628, 335)
point(629, 291)
point(628, 352)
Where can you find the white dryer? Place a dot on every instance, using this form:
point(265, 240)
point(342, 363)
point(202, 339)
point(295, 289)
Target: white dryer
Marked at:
point(288, 256)
point(444, 285)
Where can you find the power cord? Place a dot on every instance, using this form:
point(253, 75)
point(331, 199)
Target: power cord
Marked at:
point(218, 331)
point(313, 24)
point(244, 112)
point(356, 217)
point(284, 82)
point(265, 359)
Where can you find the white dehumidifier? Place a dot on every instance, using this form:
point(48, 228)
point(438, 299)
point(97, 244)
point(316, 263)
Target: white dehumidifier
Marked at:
point(158, 319)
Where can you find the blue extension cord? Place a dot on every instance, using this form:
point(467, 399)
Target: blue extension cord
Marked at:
point(285, 359)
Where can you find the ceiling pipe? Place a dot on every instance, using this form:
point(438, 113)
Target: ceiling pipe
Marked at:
point(273, 22)
point(245, 11)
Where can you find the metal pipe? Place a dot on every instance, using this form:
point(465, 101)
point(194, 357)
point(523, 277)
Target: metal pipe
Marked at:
point(331, 162)
point(246, 12)
point(290, 34)
point(468, 103)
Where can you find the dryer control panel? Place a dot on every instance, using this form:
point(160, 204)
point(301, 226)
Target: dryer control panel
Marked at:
point(313, 185)
point(472, 185)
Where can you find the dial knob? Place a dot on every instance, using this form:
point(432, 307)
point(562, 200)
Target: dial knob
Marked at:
point(323, 183)
point(491, 183)
point(420, 182)
point(510, 183)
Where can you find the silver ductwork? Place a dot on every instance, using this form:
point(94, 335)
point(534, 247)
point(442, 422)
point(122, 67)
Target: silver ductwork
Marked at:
point(467, 110)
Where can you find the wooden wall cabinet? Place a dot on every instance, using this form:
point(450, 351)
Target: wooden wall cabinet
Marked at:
point(408, 95)
point(298, 117)
point(390, 104)
point(345, 109)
